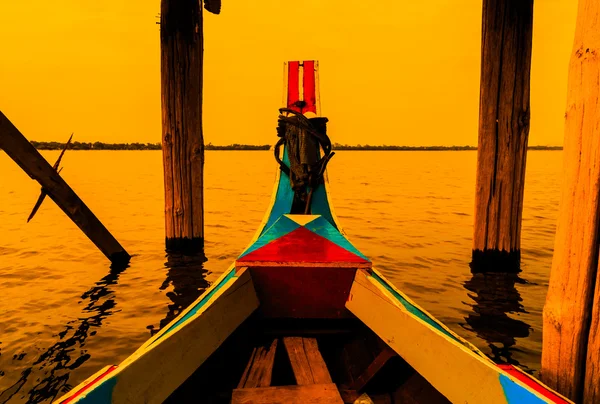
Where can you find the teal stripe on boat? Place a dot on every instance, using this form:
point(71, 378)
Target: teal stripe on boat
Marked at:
point(100, 394)
point(284, 198)
point(323, 228)
point(199, 305)
point(320, 204)
point(281, 227)
point(516, 394)
point(414, 310)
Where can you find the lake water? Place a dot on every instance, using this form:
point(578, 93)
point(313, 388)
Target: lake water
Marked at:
point(64, 314)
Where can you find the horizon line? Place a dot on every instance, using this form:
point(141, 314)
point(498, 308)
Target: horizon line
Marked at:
point(98, 145)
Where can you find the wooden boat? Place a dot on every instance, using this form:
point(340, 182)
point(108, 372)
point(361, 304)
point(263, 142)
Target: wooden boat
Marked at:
point(303, 317)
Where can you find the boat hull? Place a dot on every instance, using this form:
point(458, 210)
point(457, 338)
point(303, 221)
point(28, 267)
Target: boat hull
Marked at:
point(302, 316)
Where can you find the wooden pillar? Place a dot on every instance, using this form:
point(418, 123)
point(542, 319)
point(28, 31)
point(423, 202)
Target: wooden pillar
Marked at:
point(571, 350)
point(182, 143)
point(503, 132)
point(31, 161)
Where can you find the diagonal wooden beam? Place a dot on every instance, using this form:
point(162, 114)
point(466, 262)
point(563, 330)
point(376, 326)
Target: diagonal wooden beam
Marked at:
point(375, 366)
point(31, 161)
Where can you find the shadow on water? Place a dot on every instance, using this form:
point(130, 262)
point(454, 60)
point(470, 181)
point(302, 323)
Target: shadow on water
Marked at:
point(495, 296)
point(52, 368)
point(187, 276)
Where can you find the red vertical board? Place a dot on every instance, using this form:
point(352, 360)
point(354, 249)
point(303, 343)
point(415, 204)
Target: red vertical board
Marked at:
point(310, 96)
point(292, 86)
point(303, 292)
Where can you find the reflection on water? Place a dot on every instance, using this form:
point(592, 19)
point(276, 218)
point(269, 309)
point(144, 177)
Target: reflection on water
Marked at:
point(52, 368)
point(187, 275)
point(405, 210)
point(495, 297)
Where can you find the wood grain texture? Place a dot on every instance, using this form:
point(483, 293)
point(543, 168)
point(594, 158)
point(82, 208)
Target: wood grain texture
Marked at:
point(306, 360)
point(571, 349)
point(260, 367)
point(318, 367)
point(311, 393)
point(298, 360)
point(503, 123)
point(31, 161)
point(182, 142)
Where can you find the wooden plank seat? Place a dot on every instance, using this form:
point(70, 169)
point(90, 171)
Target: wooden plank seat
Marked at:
point(308, 393)
point(260, 367)
point(306, 360)
point(314, 383)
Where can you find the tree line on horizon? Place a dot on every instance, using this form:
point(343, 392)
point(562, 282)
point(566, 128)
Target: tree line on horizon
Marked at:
point(236, 146)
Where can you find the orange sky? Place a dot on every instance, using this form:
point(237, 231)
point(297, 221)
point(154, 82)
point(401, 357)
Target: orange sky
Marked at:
point(392, 72)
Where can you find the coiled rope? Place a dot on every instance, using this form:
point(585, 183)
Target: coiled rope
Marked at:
point(303, 138)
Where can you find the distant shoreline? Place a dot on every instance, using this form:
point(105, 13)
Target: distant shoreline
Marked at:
point(336, 146)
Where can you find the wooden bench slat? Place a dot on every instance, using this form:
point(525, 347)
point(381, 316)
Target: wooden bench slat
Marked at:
point(318, 367)
point(306, 360)
point(310, 393)
point(298, 359)
point(259, 370)
point(247, 370)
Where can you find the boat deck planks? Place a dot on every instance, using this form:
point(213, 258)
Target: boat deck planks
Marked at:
point(308, 393)
point(306, 360)
point(260, 367)
point(318, 367)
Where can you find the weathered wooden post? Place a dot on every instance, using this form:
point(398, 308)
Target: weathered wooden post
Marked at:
point(503, 132)
point(571, 350)
point(181, 42)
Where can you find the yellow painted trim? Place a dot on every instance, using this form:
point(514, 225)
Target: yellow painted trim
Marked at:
point(454, 370)
point(302, 220)
point(300, 80)
point(156, 340)
point(444, 326)
point(191, 307)
point(154, 371)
